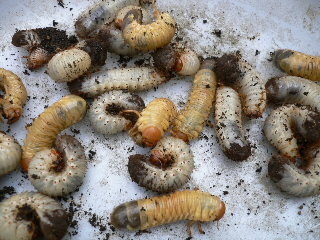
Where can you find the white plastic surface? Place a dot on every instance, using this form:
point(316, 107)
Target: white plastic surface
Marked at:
point(256, 209)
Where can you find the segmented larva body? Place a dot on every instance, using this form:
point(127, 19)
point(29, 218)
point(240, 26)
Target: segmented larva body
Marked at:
point(298, 64)
point(283, 124)
point(38, 58)
point(155, 119)
point(10, 154)
point(185, 205)
point(149, 36)
point(60, 170)
point(30, 215)
point(45, 128)
point(168, 168)
point(146, 15)
point(191, 120)
point(131, 79)
point(105, 112)
point(101, 13)
point(229, 125)
point(299, 181)
point(294, 90)
point(182, 61)
point(237, 73)
point(68, 65)
point(15, 95)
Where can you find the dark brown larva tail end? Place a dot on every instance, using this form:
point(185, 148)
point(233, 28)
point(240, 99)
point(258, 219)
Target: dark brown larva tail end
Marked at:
point(208, 63)
point(131, 115)
point(56, 225)
point(165, 58)
point(281, 54)
point(76, 86)
point(135, 167)
point(238, 153)
point(132, 15)
point(276, 167)
point(138, 101)
point(97, 49)
point(227, 69)
point(120, 219)
point(272, 89)
point(312, 127)
point(18, 39)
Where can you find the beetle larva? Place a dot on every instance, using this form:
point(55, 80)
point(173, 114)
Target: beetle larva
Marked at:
point(149, 36)
point(131, 79)
point(297, 180)
point(31, 215)
point(154, 120)
point(182, 61)
point(101, 13)
point(45, 128)
point(237, 73)
point(185, 205)
point(168, 168)
point(190, 121)
point(298, 64)
point(68, 65)
point(294, 90)
point(229, 125)
point(104, 114)
point(10, 154)
point(60, 170)
point(286, 123)
point(15, 95)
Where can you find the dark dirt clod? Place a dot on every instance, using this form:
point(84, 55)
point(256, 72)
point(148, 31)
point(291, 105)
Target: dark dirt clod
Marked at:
point(6, 190)
point(237, 152)
point(217, 32)
point(165, 58)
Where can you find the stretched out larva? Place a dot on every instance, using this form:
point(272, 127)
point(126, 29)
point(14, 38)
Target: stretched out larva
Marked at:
point(15, 95)
point(131, 79)
point(101, 13)
point(294, 90)
point(183, 61)
point(45, 128)
point(68, 65)
point(60, 170)
point(298, 64)
point(168, 168)
point(105, 112)
point(154, 120)
point(191, 120)
point(237, 73)
point(10, 154)
point(185, 205)
point(149, 36)
point(31, 215)
point(285, 124)
point(297, 180)
point(229, 125)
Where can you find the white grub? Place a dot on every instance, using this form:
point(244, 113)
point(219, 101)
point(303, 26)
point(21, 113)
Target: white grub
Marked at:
point(188, 62)
point(10, 154)
point(229, 125)
point(169, 168)
point(59, 171)
point(25, 215)
point(68, 65)
point(286, 123)
point(294, 90)
point(105, 112)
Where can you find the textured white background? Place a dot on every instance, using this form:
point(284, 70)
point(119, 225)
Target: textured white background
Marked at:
point(256, 209)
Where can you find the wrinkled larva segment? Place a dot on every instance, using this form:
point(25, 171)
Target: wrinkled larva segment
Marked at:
point(298, 64)
point(147, 16)
point(191, 120)
point(131, 79)
point(15, 95)
point(10, 154)
point(101, 13)
point(240, 75)
point(229, 129)
point(294, 90)
point(30, 215)
point(105, 112)
point(38, 58)
point(68, 65)
point(286, 123)
point(154, 121)
point(46, 127)
point(188, 62)
point(149, 36)
point(296, 180)
point(193, 205)
point(60, 170)
point(172, 169)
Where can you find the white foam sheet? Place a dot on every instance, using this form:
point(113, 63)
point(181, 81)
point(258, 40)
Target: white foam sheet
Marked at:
point(256, 209)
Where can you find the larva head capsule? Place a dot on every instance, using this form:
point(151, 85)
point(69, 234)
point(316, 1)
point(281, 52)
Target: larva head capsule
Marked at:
point(151, 135)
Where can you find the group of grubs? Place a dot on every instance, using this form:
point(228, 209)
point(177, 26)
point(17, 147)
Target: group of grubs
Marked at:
point(227, 85)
